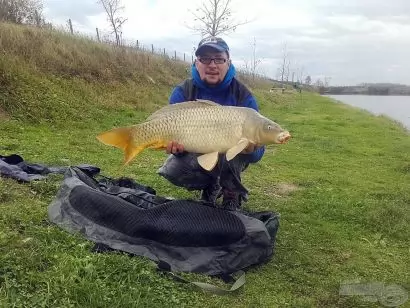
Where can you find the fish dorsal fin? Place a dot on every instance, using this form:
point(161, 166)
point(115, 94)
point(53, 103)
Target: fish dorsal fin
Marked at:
point(208, 161)
point(236, 149)
point(183, 105)
point(206, 102)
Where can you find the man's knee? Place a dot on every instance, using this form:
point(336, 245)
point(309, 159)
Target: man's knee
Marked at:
point(238, 164)
point(185, 171)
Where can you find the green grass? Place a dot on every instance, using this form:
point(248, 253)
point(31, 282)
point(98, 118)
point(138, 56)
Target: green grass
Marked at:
point(341, 186)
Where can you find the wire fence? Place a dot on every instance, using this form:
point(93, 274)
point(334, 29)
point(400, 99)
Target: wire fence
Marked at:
point(105, 37)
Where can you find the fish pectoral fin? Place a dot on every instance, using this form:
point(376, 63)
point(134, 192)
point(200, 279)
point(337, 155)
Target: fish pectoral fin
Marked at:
point(236, 149)
point(208, 161)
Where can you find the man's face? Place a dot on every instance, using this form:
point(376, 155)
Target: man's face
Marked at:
point(212, 73)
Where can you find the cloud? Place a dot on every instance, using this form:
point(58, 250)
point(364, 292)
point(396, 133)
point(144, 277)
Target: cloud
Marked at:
point(350, 41)
point(350, 46)
point(368, 8)
point(76, 10)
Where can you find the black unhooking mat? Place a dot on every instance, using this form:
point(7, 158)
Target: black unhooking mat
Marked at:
point(189, 235)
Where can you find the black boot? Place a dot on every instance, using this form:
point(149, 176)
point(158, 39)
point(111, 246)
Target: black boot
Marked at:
point(231, 200)
point(211, 193)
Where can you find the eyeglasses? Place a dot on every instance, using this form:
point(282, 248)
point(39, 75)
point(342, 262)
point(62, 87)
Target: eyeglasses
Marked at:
point(207, 60)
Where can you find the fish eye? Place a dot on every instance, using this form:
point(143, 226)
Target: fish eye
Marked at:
point(271, 127)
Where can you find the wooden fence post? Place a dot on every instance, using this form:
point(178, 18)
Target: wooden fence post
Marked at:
point(98, 34)
point(152, 48)
point(70, 24)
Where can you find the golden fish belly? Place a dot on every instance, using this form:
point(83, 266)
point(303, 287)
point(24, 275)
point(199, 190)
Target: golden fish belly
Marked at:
point(200, 131)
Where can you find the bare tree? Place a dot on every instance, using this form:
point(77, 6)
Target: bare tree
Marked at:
point(284, 68)
point(113, 9)
point(38, 19)
point(308, 80)
point(22, 11)
point(247, 67)
point(320, 86)
point(299, 74)
point(287, 70)
point(319, 83)
point(255, 62)
point(250, 66)
point(215, 17)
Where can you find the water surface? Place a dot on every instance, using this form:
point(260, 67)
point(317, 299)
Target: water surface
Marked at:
point(395, 107)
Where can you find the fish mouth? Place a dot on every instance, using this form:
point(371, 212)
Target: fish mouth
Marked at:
point(283, 137)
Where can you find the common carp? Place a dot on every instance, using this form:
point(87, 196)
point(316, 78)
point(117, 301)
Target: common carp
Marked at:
point(202, 127)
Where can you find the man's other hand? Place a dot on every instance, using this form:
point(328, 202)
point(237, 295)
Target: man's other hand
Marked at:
point(174, 147)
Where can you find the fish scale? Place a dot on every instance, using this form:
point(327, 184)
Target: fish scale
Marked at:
point(219, 130)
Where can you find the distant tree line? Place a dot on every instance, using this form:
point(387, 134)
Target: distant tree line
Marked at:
point(368, 89)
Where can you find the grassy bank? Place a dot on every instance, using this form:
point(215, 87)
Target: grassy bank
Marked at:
point(341, 186)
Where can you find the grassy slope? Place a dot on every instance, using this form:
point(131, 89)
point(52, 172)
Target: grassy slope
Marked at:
point(348, 219)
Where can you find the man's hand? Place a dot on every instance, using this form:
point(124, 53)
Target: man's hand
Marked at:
point(250, 148)
point(174, 147)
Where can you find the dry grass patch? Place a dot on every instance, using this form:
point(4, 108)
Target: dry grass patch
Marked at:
point(281, 190)
point(3, 115)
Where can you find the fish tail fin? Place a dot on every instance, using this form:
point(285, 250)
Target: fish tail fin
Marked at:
point(124, 139)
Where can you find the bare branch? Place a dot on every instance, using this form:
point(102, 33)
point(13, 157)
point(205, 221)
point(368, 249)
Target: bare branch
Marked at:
point(214, 18)
point(113, 8)
point(250, 66)
point(284, 61)
point(255, 61)
point(287, 70)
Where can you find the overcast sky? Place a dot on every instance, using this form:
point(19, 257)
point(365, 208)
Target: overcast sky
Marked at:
point(349, 41)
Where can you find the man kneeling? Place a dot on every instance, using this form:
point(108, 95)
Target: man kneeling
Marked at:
point(213, 78)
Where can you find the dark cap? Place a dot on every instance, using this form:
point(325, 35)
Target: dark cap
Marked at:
point(213, 42)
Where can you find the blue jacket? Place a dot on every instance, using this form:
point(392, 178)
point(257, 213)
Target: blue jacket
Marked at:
point(225, 93)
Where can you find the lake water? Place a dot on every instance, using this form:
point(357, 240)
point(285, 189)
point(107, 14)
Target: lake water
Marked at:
point(395, 107)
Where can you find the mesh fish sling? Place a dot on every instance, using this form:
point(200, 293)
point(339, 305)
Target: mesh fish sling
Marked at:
point(179, 235)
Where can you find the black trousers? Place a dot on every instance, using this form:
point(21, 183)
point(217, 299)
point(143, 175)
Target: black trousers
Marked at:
point(184, 170)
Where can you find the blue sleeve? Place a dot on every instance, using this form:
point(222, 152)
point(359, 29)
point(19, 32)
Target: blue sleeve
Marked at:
point(258, 153)
point(177, 96)
point(250, 102)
